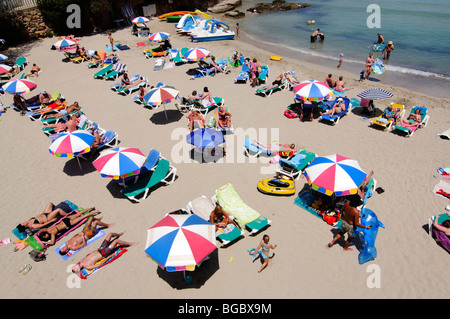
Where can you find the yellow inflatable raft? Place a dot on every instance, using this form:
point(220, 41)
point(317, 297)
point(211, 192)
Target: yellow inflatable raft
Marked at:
point(274, 186)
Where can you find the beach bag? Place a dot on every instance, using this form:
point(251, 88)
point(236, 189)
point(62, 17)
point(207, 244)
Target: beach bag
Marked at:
point(37, 255)
point(211, 122)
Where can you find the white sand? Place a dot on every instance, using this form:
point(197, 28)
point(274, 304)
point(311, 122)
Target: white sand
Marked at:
point(411, 264)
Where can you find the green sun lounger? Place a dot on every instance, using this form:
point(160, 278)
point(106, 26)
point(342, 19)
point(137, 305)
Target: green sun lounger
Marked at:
point(227, 197)
point(20, 63)
point(117, 71)
point(103, 71)
point(147, 181)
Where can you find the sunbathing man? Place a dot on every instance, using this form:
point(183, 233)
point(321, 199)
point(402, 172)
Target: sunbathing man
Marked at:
point(44, 97)
point(63, 112)
point(50, 214)
point(19, 101)
point(131, 84)
point(48, 235)
point(340, 85)
point(291, 79)
point(195, 118)
point(89, 231)
point(337, 108)
point(34, 71)
point(224, 117)
point(215, 66)
point(107, 248)
point(68, 126)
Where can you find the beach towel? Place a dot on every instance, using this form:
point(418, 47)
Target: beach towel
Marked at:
point(123, 47)
point(442, 188)
point(141, 44)
point(339, 92)
point(445, 134)
point(84, 274)
point(116, 47)
point(444, 172)
point(70, 253)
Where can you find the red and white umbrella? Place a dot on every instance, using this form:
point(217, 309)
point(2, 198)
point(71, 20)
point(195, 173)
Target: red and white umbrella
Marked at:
point(4, 68)
point(19, 86)
point(72, 144)
point(196, 54)
point(180, 242)
point(312, 90)
point(64, 43)
point(158, 36)
point(3, 57)
point(120, 162)
point(161, 95)
point(140, 20)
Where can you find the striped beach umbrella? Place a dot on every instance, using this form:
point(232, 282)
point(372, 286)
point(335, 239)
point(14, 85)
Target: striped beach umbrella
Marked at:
point(72, 144)
point(19, 86)
point(335, 175)
point(312, 90)
point(64, 43)
point(375, 94)
point(119, 162)
point(4, 68)
point(180, 242)
point(158, 36)
point(3, 57)
point(196, 54)
point(140, 20)
point(161, 95)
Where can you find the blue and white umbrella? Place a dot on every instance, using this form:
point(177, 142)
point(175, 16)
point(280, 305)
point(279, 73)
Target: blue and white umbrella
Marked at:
point(158, 36)
point(64, 43)
point(335, 175)
point(205, 137)
point(3, 57)
point(19, 86)
point(375, 94)
point(312, 90)
point(140, 20)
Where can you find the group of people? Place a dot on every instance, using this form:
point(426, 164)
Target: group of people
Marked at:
point(59, 218)
point(338, 85)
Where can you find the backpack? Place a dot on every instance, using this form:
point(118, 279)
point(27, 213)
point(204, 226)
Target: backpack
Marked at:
point(37, 255)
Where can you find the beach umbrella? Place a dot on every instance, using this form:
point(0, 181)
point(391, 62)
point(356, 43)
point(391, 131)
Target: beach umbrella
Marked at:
point(72, 144)
point(375, 94)
point(4, 68)
point(19, 86)
point(196, 54)
point(312, 90)
point(158, 36)
point(205, 137)
point(140, 20)
point(161, 95)
point(335, 175)
point(180, 242)
point(64, 43)
point(3, 57)
point(119, 162)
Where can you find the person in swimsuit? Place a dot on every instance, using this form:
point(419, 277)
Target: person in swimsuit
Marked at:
point(220, 219)
point(50, 214)
point(195, 118)
point(255, 67)
point(48, 235)
point(307, 108)
point(350, 220)
point(106, 249)
point(380, 39)
point(215, 66)
point(337, 108)
point(89, 231)
point(224, 117)
point(413, 119)
point(387, 50)
point(445, 227)
point(329, 80)
point(63, 112)
point(275, 83)
point(206, 97)
point(34, 71)
point(44, 97)
point(369, 63)
point(263, 248)
point(340, 85)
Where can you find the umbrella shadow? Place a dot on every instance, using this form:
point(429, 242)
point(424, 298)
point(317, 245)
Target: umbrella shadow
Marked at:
point(80, 167)
point(115, 189)
point(199, 276)
point(207, 155)
point(159, 118)
point(364, 112)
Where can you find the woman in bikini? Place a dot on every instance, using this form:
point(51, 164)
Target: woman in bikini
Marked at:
point(369, 63)
point(48, 235)
point(264, 248)
point(50, 214)
point(220, 219)
point(337, 108)
point(413, 119)
point(224, 117)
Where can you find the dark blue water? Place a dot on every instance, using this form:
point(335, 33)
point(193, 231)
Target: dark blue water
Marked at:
point(420, 31)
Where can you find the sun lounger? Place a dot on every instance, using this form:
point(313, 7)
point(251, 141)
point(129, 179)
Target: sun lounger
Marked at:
point(244, 75)
point(177, 57)
point(128, 91)
point(386, 124)
point(266, 91)
point(119, 69)
point(410, 129)
point(100, 74)
point(336, 117)
point(294, 165)
point(224, 130)
point(163, 173)
point(202, 206)
point(204, 108)
point(253, 148)
point(245, 216)
point(263, 75)
point(20, 63)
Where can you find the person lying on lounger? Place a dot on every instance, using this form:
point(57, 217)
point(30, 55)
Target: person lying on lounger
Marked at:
point(413, 119)
point(275, 83)
point(337, 108)
point(58, 103)
point(445, 227)
point(50, 214)
point(195, 118)
point(70, 125)
point(206, 97)
point(215, 66)
point(106, 249)
point(63, 112)
point(291, 79)
point(224, 120)
point(48, 235)
point(44, 97)
point(89, 231)
point(131, 84)
point(34, 71)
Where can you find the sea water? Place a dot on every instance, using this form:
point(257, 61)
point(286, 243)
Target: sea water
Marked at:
point(420, 31)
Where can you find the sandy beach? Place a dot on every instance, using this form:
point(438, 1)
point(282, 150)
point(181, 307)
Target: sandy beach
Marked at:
point(410, 263)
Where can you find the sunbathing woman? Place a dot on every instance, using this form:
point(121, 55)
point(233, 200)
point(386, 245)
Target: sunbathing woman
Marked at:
point(220, 219)
point(48, 235)
point(132, 84)
point(413, 119)
point(195, 118)
point(275, 83)
point(340, 85)
point(206, 97)
point(224, 117)
point(63, 112)
point(337, 108)
point(50, 214)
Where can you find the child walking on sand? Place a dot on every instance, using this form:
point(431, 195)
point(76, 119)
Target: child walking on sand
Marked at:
point(340, 60)
point(264, 248)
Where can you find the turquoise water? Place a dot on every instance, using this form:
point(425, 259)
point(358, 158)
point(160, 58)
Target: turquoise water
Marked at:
point(420, 31)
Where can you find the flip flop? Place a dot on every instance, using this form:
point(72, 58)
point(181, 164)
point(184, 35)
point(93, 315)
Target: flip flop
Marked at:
point(27, 269)
point(22, 268)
